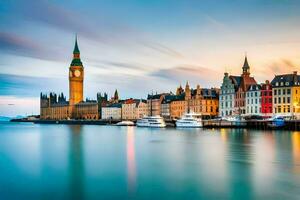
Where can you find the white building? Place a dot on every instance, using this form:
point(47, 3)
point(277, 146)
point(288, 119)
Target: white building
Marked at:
point(253, 100)
point(113, 111)
point(226, 98)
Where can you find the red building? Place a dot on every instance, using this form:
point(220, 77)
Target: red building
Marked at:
point(266, 99)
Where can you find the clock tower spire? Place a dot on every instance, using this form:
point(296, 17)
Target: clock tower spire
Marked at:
point(76, 74)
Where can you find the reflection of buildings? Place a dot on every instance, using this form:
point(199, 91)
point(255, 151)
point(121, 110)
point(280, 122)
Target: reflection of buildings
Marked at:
point(131, 165)
point(296, 150)
point(76, 163)
point(53, 107)
point(239, 166)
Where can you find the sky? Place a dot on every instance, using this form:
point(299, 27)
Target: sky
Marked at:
point(139, 46)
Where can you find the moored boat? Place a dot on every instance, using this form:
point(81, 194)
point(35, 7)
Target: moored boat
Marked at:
point(276, 122)
point(190, 120)
point(125, 123)
point(151, 121)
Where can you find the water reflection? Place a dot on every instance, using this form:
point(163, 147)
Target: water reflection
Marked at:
point(296, 151)
point(76, 163)
point(131, 164)
point(239, 165)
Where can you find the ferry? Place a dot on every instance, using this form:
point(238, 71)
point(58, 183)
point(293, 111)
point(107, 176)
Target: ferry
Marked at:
point(151, 121)
point(190, 120)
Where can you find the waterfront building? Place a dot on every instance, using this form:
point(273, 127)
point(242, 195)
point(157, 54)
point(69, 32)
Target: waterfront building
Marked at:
point(154, 103)
point(112, 112)
point(58, 108)
point(133, 109)
point(178, 106)
point(142, 109)
point(241, 84)
point(226, 99)
point(266, 99)
point(210, 102)
point(285, 89)
point(200, 100)
point(165, 106)
point(253, 100)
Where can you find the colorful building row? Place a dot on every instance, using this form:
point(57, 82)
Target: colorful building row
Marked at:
point(242, 95)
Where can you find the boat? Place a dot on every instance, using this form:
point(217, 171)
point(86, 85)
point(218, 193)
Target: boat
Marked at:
point(151, 121)
point(276, 122)
point(236, 120)
point(125, 123)
point(190, 120)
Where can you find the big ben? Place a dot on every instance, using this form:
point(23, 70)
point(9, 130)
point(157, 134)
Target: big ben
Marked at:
point(76, 74)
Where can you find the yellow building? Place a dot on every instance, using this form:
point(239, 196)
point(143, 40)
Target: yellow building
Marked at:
point(286, 95)
point(58, 108)
point(296, 100)
point(200, 100)
point(178, 107)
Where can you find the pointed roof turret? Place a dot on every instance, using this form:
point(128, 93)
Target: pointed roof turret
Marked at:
point(246, 67)
point(116, 95)
point(76, 49)
point(76, 55)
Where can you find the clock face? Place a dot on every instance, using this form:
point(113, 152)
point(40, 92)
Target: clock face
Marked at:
point(77, 73)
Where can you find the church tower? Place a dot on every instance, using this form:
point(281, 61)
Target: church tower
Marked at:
point(246, 67)
point(76, 74)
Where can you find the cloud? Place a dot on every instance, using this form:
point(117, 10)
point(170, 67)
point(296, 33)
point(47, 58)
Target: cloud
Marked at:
point(162, 49)
point(276, 67)
point(19, 45)
point(192, 73)
point(27, 86)
point(97, 28)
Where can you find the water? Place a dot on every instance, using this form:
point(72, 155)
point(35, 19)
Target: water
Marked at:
point(106, 162)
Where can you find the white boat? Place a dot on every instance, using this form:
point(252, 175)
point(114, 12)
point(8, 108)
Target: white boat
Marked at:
point(125, 123)
point(236, 120)
point(151, 121)
point(190, 120)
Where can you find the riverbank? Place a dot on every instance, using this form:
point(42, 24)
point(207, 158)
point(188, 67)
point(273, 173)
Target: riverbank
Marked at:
point(250, 124)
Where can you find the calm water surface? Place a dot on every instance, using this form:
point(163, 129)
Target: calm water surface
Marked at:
point(106, 162)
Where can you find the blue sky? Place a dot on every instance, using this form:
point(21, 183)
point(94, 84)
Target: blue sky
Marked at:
point(137, 46)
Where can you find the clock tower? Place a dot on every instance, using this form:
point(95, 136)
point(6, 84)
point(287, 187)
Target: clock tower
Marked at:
point(76, 73)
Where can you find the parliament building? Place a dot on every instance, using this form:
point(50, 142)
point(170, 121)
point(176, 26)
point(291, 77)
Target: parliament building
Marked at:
point(56, 107)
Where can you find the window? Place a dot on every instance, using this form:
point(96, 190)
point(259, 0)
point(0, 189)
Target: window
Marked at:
point(287, 83)
point(283, 99)
point(275, 100)
point(288, 100)
point(283, 91)
point(279, 91)
point(275, 92)
point(288, 91)
point(279, 100)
